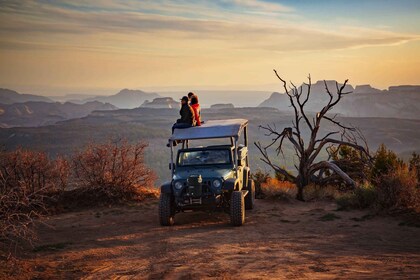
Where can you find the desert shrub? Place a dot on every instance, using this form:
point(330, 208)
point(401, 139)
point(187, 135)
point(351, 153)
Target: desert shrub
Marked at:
point(273, 188)
point(260, 177)
point(363, 196)
point(393, 185)
point(111, 172)
point(414, 165)
point(29, 182)
point(384, 162)
point(398, 189)
point(315, 192)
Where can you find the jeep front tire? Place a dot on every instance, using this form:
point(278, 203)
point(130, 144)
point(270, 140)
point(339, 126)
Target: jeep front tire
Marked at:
point(237, 208)
point(166, 210)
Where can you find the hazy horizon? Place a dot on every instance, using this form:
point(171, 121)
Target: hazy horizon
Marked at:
point(61, 92)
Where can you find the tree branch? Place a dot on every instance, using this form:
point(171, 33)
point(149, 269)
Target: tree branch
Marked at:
point(266, 159)
point(287, 132)
point(338, 142)
point(338, 123)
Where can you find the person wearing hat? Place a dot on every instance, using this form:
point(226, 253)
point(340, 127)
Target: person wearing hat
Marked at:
point(187, 115)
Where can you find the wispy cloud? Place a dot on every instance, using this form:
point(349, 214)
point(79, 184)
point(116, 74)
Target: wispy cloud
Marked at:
point(256, 5)
point(157, 42)
point(37, 24)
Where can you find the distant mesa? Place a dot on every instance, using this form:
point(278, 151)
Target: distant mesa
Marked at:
point(366, 89)
point(365, 101)
point(318, 94)
point(161, 103)
point(319, 87)
point(126, 98)
point(222, 106)
point(275, 99)
point(73, 97)
point(36, 113)
point(404, 89)
point(8, 96)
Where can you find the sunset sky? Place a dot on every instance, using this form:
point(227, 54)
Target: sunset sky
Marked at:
point(74, 46)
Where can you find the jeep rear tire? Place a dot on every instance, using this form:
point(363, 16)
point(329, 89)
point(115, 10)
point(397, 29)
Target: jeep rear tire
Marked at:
point(250, 197)
point(237, 208)
point(166, 210)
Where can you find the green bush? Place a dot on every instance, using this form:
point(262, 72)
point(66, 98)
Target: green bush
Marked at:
point(352, 161)
point(362, 197)
point(365, 195)
point(385, 161)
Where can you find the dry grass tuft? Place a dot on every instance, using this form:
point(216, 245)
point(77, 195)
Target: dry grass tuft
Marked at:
point(274, 188)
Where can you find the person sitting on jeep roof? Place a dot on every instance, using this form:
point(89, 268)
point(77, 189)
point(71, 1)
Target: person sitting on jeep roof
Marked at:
point(190, 95)
point(187, 115)
point(197, 110)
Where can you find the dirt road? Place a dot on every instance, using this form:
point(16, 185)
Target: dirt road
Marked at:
point(280, 240)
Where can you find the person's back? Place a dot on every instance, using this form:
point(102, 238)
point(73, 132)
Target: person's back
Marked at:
point(187, 117)
point(197, 110)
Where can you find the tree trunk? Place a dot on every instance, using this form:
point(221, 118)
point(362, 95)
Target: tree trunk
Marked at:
point(302, 182)
point(299, 195)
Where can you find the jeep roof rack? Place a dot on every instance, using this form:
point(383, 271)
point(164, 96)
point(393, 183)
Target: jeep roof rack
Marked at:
point(211, 129)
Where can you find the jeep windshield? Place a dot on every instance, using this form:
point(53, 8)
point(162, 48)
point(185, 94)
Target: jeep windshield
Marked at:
point(204, 157)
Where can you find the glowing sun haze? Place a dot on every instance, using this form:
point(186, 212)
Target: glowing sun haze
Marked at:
point(75, 45)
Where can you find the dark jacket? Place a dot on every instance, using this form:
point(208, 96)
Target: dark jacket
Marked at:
point(187, 115)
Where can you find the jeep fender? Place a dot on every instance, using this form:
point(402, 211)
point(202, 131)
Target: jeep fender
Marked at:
point(230, 184)
point(166, 187)
point(245, 178)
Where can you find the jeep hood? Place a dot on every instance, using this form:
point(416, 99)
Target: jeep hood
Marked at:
point(205, 172)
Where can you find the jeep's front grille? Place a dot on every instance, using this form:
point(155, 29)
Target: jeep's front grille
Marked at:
point(205, 187)
point(194, 194)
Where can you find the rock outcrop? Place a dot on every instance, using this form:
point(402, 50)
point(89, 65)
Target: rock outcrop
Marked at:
point(161, 103)
point(222, 106)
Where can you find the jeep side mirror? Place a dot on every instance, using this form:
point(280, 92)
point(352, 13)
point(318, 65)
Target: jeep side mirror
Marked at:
point(171, 166)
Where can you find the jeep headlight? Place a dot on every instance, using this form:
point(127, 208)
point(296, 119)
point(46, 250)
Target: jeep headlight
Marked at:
point(217, 183)
point(178, 185)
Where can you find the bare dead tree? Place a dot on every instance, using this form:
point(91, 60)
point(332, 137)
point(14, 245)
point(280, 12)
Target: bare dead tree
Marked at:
point(307, 151)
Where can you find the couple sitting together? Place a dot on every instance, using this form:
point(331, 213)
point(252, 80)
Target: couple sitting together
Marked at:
point(190, 112)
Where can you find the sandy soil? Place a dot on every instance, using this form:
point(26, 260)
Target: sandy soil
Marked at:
point(280, 240)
